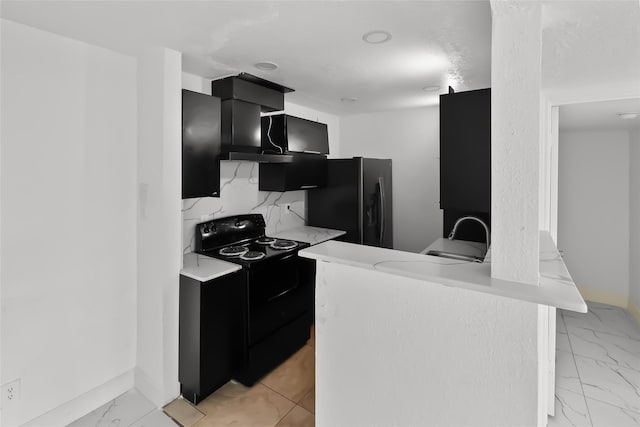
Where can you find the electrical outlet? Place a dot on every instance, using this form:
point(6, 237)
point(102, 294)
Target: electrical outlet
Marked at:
point(11, 392)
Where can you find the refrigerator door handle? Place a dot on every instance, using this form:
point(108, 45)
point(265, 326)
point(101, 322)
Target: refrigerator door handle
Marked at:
point(381, 210)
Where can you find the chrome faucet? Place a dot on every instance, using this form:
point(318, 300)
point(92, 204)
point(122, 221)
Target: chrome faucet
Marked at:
point(464, 218)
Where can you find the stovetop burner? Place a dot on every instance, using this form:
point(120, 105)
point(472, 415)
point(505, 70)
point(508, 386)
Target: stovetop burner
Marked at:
point(241, 239)
point(283, 244)
point(252, 255)
point(233, 251)
point(265, 240)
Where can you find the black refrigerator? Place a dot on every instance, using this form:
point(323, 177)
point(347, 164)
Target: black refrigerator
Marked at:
point(356, 199)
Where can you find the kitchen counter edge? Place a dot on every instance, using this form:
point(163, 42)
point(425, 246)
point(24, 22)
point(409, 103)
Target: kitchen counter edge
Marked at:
point(556, 287)
point(309, 234)
point(204, 268)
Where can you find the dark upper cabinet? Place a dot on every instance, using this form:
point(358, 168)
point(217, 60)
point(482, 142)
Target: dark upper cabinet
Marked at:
point(282, 133)
point(305, 171)
point(201, 138)
point(465, 151)
point(240, 126)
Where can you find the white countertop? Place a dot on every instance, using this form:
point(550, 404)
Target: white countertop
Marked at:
point(204, 268)
point(556, 288)
point(308, 234)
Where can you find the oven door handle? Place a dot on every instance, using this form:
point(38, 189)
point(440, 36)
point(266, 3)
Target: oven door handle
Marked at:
point(283, 293)
point(287, 257)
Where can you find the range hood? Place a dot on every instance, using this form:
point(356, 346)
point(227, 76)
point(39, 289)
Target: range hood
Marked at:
point(243, 98)
point(258, 157)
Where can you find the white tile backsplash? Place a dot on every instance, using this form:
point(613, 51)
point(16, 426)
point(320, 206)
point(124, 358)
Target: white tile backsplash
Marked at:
point(239, 194)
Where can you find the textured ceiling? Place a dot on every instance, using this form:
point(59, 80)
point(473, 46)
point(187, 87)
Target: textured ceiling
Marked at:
point(599, 115)
point(317, 44)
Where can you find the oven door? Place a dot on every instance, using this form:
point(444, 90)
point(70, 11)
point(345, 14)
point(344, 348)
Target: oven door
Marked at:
point(279, 291)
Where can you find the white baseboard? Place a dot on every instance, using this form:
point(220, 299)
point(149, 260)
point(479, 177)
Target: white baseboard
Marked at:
point(85, 403)
point(149, 389)
point(611, 298)
point(634, 310)
point(604, 297)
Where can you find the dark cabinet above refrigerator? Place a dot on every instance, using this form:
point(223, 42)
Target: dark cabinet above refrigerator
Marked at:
point(465, 151)
point(201, 145)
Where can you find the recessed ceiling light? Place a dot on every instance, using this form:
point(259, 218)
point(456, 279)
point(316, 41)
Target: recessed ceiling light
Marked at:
point(348, 99)
point(628, 116)
point(431, 88)
point(377, 37)
point(266, 66)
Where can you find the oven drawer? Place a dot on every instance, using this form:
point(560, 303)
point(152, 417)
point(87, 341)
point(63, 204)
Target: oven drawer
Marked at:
point(267, 319)
point(270, 280)
point(278, 293)
point(275, 349)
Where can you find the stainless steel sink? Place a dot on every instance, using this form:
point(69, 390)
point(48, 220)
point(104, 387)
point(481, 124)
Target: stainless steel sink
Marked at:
point(459, 257)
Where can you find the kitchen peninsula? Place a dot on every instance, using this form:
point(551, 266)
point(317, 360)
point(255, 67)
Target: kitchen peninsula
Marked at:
point(411, 339)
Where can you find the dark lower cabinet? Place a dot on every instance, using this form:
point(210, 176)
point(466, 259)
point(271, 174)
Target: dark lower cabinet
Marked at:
point(212, 337)
point(235, 327)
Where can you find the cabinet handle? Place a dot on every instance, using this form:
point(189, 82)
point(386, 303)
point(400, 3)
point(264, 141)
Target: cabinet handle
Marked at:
point(381, 212)
point(283, 293)
point(304, 187)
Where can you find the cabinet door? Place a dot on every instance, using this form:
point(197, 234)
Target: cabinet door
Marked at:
point(306, 171)
point(200, 145)
point(211, 333)
point(465, 151)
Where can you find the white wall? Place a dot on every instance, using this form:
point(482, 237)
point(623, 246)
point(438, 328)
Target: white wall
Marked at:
point(515, 139)
point(634, 217)
point(438, 356)
point(159, 223)
point(239, 192)
point(68, 221)
point(411, 138)
point(593, 209)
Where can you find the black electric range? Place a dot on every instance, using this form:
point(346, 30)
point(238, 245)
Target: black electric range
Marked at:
point(241, 239)
point(279, 288)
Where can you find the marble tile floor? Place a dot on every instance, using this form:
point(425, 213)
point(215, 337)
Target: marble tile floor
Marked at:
point(597, 368)
point(285, 397)
point(129, 409)
point(597, 385)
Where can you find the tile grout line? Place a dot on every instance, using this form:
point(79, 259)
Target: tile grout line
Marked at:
point(144, 415)
point(284, 416)
point(573, 356)
point(606, 333)
point(277, 392)
point(613, 405)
